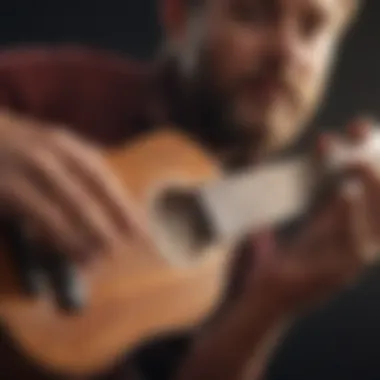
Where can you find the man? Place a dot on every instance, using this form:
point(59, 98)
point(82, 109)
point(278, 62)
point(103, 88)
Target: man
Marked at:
point(242, 76)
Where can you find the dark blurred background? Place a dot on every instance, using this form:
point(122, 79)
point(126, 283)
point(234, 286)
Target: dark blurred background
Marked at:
point(347, 332)
point(131, 27)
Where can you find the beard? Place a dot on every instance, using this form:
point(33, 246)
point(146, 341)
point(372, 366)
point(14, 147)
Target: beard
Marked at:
point(212, 111)
point(227, 120)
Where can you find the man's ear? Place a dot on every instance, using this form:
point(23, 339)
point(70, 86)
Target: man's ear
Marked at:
point(173, 17)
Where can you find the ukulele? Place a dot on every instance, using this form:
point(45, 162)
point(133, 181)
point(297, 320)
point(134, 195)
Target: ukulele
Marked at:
point(174, 278)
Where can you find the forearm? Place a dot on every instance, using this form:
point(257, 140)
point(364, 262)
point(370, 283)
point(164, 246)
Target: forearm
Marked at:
point(241, 339)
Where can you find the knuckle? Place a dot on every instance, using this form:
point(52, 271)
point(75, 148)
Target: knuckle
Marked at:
point(26, 154)
point(67, 140)
point(60, 134)
point(42, 162)
point(76, 149)
point(56, 231)
point(36, 158)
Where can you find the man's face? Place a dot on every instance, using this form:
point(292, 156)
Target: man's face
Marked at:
point(266, 61)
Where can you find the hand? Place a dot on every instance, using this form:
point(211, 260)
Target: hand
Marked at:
point(60, 190)
point(330, 251)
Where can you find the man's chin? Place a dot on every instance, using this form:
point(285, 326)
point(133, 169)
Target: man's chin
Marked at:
point(264, 136)
point(265, 121)
point(251, 116)
point(252, 124)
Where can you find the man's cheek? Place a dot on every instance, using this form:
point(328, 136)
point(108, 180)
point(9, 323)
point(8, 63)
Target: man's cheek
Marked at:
point(316, 73)
point(311, 91)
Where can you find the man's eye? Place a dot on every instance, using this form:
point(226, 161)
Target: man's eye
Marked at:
point(311, 26)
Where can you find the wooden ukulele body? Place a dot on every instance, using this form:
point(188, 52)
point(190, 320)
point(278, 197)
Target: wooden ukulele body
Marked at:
point(134, 293)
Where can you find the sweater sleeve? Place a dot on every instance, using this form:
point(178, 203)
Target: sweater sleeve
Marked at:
point(95, 93)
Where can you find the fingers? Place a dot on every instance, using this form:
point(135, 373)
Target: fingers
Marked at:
point(23, 200)
point(65, 175)
point(370, 183)
point(88, 167)
point(63, 277)
point(23, 258)
point(35, 266)
point(61, 188)
point(336, 246)
point(87, 164)
point(350, 248)
point(337, 242)
point(81, 209)
point(356, 133)
point(358, 232)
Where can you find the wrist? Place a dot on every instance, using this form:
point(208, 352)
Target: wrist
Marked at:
point(255, 328)
point(254, 314)
point(264, 304)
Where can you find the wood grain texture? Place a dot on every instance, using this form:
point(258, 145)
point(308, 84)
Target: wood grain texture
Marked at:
point(135, 293)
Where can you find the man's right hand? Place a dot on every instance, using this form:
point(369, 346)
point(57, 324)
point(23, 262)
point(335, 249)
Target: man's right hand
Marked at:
point(59, 188)
point(329, 251)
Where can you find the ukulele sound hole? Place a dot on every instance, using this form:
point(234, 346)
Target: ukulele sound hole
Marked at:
point(181, 225)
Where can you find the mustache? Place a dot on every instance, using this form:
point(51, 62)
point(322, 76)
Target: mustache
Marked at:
point(287, 83)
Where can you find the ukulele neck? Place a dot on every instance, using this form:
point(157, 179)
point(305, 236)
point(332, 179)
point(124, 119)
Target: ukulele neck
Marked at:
point(267, 196)
point(264, 197)
point(223, 211)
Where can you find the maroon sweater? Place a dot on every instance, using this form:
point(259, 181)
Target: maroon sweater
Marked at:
point(103, 97)
point(96, 93)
